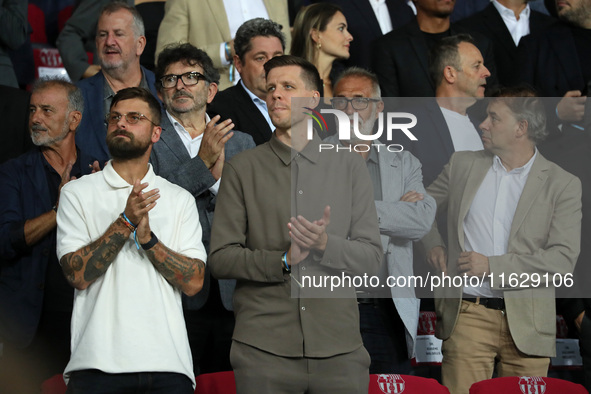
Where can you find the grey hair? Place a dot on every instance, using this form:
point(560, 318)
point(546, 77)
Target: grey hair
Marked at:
point(525, 105)
point(138, 22)
point(75, 98)
point(362, 73)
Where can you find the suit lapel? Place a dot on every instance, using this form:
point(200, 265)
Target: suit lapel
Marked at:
point(217, 8)
point(497, 26)
point(441, 126)
point(170, 137)
point(253, 113)
point(474, 179)
point(535, 181)
point(366, 12)
point(36, 174)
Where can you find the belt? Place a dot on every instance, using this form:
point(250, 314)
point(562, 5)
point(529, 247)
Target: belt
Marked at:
point(495, 303)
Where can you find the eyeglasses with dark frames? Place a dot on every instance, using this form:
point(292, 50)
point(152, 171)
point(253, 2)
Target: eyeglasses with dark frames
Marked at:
point(130, 117)
point(189, 79)
point(358, 103)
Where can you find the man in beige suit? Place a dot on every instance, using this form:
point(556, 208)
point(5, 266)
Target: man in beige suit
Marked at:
point(509, 212)
point(211, 25)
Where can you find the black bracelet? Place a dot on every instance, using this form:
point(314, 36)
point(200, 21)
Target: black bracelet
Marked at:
point(150, 244)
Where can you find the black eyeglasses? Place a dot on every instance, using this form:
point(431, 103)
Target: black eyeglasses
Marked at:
point(358, 103)
point(131, 117)
point(189, 79)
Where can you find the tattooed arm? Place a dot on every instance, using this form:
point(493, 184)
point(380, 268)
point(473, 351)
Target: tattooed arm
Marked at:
point(180, 271)
point(88, 263)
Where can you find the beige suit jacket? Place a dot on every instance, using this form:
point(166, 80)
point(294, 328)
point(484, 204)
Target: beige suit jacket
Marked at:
point(544, 237)
point(204, 24)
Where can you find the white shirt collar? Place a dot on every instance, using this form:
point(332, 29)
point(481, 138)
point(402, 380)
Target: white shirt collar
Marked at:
point(521, 171)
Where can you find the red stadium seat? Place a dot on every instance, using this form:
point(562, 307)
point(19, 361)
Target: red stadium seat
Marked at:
point(394, 384)
point(54, 385)
point(527, 385)
point(215, 383)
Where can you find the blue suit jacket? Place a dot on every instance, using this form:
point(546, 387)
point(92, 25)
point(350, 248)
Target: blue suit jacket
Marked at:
point(171, 161)
point(92, 132)
point(25, 195)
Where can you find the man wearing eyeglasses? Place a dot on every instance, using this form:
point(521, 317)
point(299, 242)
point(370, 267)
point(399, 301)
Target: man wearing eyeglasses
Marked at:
point(129, 241)
point(191, 153)
point(388, 316)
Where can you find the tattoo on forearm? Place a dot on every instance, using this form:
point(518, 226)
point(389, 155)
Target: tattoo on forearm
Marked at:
point(176, 269)
point(102, 253)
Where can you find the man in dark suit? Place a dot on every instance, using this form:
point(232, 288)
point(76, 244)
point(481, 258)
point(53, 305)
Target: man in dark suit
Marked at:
point(256, 41)
point(364, 25)
point(505, 22)
point(120, 42)
point(443, 125)
point(191, 153)
point(35, 299)
point(510, 213)
point(557, 62)
point(401, 57)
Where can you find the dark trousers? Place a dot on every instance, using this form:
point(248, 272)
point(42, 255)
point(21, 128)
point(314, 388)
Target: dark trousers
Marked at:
point(92, 381)
point(384, 336)
point(210, 338)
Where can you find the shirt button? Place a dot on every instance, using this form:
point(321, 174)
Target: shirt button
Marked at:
point(303, 268)
point(303, 308)
point(300, 192)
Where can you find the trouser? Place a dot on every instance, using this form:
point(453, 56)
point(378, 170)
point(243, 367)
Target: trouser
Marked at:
point(260, 372)
point(481, 338)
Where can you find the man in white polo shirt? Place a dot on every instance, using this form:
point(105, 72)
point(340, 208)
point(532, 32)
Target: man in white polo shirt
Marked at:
point(130, 243)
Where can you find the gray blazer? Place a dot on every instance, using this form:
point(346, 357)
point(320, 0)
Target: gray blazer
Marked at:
point(545, 237)
point(171, 161)
point(401, 223)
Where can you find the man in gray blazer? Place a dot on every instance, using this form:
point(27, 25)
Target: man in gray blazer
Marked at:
point(191, 153)
point(388, 316)
point(510, 214)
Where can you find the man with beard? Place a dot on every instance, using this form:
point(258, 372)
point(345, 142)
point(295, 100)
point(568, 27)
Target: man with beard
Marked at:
point(120, 42)
point(191, 153)
point(128, 333)
point(389, 316)
point(35, 299)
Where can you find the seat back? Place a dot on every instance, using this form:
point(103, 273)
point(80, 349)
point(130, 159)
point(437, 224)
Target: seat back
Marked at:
point(526, 384)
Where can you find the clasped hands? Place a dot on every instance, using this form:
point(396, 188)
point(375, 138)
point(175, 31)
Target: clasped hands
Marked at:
point(306, 236)
point(139, 203)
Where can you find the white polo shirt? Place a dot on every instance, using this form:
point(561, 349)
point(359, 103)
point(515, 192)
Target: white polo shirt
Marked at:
point(130, 319)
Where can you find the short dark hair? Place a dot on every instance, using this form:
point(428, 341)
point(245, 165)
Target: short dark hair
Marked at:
point(524, 103)
point(309, 72)
point(75, 98)
point(138, 22)
point(188, 54)
point(142, 94)
point(256, 27)
point(446, 53)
